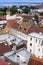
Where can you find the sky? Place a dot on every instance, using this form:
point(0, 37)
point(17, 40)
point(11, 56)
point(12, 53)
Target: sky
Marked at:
point(21, 0)
point(2, 4)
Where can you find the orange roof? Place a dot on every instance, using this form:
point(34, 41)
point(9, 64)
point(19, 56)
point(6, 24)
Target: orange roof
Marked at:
point(4, 48)
point(2, 17)
point(41, 17)
point(25, 14)
point(36, 59)
point(12, 22)
point(2, 62)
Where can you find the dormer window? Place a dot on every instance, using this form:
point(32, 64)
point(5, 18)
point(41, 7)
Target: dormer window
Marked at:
point(5, 43)
point(3, 26)
point(21, 27)
point(14, 40)
point(24, 62)
point(24, 28)
point(17, 56)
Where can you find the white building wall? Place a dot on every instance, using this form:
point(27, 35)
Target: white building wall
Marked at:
point(14, 31)
point(36, 48)
point(22, 35)
point(38, 51)
point(28, 44)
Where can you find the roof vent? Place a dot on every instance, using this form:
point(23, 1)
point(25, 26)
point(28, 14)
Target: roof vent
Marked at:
point(40, 32)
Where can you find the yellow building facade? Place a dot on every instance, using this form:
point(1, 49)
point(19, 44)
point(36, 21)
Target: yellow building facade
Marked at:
point(6, 30)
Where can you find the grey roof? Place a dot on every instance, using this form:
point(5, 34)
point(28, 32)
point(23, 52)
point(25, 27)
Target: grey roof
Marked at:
point(22, 53)
point(9, 38)
point(36, 35)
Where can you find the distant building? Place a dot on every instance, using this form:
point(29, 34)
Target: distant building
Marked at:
point(9, 17)
point(8, 11)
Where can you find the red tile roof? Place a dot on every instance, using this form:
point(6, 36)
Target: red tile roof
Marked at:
point(4, 48)
point(39, 6)
point(13, 23)
point(35, 61)
point(35, 28)
point(2, 17)
point(30, 27)
point(24, 14)
point(25, 27)
point(2, 62)
point(41, 17)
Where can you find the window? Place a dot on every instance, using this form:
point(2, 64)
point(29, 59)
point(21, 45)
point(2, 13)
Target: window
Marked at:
point(3, 26)
point(24, 62)
point(39, 41)
point(38, 56)
point(30, 44)
point(38, 49)
point(24, 28)
point(36, 40)
point(42, 50)
point(14, 39)
point(42, 42)
point(42, 57)
point(30, 50)
point(17, 56)
point(5, 43)
point(30, 38)
point(21, 27)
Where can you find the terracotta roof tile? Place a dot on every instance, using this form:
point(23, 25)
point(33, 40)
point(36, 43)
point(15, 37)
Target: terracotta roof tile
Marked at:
point(2, 17)
point(29, 16)
point(41, 17)
point(13, 23)
point(39, 6)
point(35, 28)
point(24, 27)
point(4, 48)
point(2, 62)
point(35, 61)
point(30, 28)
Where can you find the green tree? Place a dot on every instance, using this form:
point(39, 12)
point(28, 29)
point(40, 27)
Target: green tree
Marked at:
point(3, 11)
point(26, 10)
point(36, 18)
point(13, 10)
point(2, 14)
point(25, 20)
point(41, 13)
